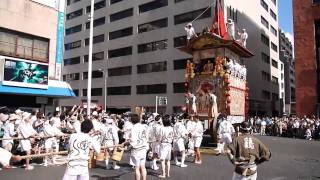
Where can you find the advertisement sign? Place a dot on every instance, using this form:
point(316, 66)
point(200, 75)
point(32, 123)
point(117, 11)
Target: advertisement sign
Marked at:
point(60, 36)
point(25, 73)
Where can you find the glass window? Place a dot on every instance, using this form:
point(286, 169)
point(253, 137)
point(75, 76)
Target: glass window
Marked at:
point(120, 71)
point(74, 14)
point(152, 46)
point(72, 1)
point(180, 41)
point(273, 15)
point(97, 5)
point(264, 5)
point(274, 80)
point(94, 92)
point(265, 76)
point(152, 89)
point(274, 2)
point(115, 1)
point(274, 31)
point(266, 94)
point(120, 52)
point(96, 22)
point(152, 5)
point(265, 22)
point(274, 63)
point(274, 47)
point(189, 16)
point(177, 1)
point(120, 33)
point(121, 90)
point(71, 61)
point(71, 77)
point(179, 87)
point(74, 29)
point(72, 45)
point(265, 40)
point(316, 2)
point(152, 67)
point(265, 57)
point(96, 39)
point(121, 15)
point(76, 92)
point(95, 56)
point(179, 64)
point(95, 74)
point(161, 23)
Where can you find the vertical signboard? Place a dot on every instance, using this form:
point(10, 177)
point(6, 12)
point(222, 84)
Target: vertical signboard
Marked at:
point(60, 33)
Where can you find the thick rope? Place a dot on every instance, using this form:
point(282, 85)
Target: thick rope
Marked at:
point(203, 12)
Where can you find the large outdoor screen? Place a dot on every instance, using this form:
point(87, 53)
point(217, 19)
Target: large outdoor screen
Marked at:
point(25, 73)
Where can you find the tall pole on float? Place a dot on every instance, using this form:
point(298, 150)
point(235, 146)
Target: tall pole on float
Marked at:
point(90, 59)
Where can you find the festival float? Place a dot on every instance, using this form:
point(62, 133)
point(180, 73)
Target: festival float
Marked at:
point(215, 77)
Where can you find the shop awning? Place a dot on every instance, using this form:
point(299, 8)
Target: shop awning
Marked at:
point(57, 89)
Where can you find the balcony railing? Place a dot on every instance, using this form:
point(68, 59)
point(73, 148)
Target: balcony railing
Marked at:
point(31, 53)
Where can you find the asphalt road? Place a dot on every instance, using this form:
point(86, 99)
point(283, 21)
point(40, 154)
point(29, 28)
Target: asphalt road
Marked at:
point(292, 159)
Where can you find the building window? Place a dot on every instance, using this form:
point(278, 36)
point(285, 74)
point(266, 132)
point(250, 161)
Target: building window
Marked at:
point(120, 52)
point(274, 31)
point(96, 39)
point(265, 76)
point(152, 46)
point(189, 16)
point(152, 67)
point(180, 41)
point(120, 71)
point(115, 1)
point(275, 80)
point(265, 40)
point(74, 29)
point(264, 5)
point(274, 2)
point(76, 92)
point(152, 89)
point(17, 44)
point(96, 22)
point(121, 90)
point(95, 74)
point(264, 22)
point(265, 58)
point(95, 56)
point(121, 15)
point(120, 33)
point(275, 96)
point(317, 2)
point(273, 15)
point(97, 6)
point(74, 14)
point(161, 23)
point(274, 47)
point(152, 5)
point(179, 64)
point(94, 92)
point(72, 45)
point(274, 63)
point(177, 1)
point(179, 87)
point(71, 61)
point(72, 1)
point(71, 77)
point(266, 95)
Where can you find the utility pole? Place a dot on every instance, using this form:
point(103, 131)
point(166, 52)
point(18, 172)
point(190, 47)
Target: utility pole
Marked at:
point(90, 60)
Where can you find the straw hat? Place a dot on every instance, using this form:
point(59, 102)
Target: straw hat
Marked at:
point(18, 111)
point(26, 115)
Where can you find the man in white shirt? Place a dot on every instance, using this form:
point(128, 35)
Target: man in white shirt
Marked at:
point(195, 130)
point(139, 142)
point(190, 31)
point(111, 138)
point(180, 132)
point(9, 132)
point(51, 130)
point(26, 131)
point(56, 119)
point(79, 147)
point(225, 133)
point(243, 37)
point(154, 137)
point(6, 157)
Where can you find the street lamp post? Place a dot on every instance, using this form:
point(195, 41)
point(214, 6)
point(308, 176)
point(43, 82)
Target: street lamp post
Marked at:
point(105, 75)
point(90, 60)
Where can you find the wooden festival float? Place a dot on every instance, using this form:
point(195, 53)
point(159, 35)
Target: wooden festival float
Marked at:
point(216, 67)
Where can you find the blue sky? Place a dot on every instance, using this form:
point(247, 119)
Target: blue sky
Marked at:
point(286, 17)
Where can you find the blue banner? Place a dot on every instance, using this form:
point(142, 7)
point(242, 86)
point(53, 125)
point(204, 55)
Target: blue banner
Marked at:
point(60, 33)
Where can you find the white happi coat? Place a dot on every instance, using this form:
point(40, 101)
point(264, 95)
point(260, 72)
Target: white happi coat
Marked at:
point(8, 133)
point(110, 134)
point(51, 130)
point(179, 132)
point(26, 131)
point(225, 131)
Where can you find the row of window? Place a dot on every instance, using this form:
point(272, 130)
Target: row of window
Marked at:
point(265, 40)
point(140, 89)
point(265, 23)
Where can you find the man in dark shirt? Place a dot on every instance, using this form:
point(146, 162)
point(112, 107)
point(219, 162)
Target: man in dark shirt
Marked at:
point(246, 152)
